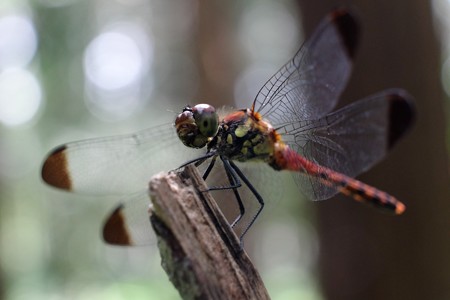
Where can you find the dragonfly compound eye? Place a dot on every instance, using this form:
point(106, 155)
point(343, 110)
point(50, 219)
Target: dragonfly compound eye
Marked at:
point(206, 119)
point(188, 131)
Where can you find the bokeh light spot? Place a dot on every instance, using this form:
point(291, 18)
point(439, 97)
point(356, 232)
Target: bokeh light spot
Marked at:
point(20, 96)
point(18, 41)
point(116, 65)
point(112, 61)
point(269, 30)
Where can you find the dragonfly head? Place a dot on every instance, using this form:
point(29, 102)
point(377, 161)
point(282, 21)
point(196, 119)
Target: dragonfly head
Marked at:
point(197, 125)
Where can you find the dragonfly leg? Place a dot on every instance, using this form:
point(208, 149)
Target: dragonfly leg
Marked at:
point(234, 184)
point(210, 167)
point(254, 192)
point(233, 179)
point(199, 160)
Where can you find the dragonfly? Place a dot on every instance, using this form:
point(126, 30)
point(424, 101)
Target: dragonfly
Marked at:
point(292, 125)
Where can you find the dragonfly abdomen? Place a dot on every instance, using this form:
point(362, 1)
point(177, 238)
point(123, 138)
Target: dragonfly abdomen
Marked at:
point(362, 192)
point(287, 159)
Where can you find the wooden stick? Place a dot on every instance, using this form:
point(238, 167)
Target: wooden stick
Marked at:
point(199, 251)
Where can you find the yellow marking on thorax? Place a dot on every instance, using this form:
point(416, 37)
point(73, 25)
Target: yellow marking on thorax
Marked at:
point(229, 139)
point(241, 130)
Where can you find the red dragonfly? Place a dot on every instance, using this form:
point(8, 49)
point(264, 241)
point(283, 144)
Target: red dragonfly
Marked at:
point(290, 126)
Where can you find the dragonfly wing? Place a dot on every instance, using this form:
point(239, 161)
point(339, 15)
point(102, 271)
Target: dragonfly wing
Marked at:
point(309, 85)
point(129, 224)
point(352, 139)
point(115, 165)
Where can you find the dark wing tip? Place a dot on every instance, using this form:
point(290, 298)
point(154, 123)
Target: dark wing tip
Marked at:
point(115, 231)
point(55, 169)
point(401, 114)
point(348, 28)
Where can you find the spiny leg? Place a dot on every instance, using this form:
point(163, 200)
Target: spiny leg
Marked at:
point(254, 192)
point(234, 184)
point(210, 167)
point(233, 179)
point(199, 160)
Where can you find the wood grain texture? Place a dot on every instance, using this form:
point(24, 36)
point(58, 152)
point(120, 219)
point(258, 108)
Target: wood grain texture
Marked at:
point(200, 253)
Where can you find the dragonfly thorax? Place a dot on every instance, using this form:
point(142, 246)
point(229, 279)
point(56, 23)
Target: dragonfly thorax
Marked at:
point(243, 136)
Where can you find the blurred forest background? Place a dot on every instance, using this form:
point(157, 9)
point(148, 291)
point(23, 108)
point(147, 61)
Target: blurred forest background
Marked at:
point(75, 69)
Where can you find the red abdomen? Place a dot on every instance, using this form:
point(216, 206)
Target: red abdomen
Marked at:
point(287, 159)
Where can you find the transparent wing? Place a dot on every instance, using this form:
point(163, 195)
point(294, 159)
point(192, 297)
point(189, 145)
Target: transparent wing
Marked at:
point(129, 223)
point(309, 85)
point(352, 139)
point(115, 165)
